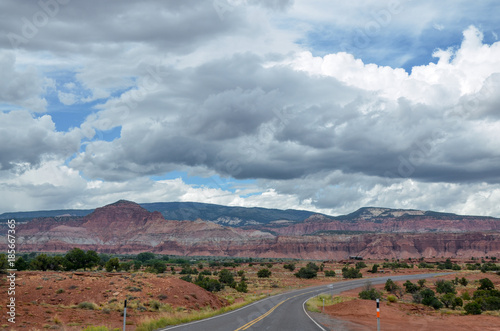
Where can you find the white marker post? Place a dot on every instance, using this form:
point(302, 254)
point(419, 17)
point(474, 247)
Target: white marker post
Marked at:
point(378, 315)
point(124, 315)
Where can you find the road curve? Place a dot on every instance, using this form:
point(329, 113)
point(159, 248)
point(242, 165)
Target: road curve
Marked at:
point(283, 311)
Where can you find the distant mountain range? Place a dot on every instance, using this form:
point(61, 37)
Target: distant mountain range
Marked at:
point(233, 216)
point(186, 229)
point(188, 211)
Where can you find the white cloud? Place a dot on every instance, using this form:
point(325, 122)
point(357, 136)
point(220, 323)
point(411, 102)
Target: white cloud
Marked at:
point(67, 99)
point(247, 95)
point(20, 87)
point(26, 140)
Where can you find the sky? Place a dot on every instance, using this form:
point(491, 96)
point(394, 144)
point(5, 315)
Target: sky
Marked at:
point(327, 106)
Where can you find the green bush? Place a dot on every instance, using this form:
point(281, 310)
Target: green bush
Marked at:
point(360, 265)
point(226, 277)
point(351, 273)
point(242, 287)
point(264, 273)
point(112, 264)
point(390, 286)
point(436, 304)
point(211, 285)
point(472, 308)
point(448, 300)
point(87, 305)
point(445, 286)
point(486, 284)
point(289, 266)
point(391, 298)
point(410, 287)
point(187, 278)
point(458, 303)
point(329, 273)
point(370, 294)
point(306, 273)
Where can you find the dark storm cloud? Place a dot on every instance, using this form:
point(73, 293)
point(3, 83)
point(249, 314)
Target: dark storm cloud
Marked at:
point(241, 119)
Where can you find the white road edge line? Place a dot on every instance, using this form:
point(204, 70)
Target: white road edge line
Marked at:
point(303, 307)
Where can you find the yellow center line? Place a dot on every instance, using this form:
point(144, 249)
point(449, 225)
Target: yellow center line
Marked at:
point(261, 317)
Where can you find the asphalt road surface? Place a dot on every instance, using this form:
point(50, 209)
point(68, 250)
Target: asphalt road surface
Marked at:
point(284, 311)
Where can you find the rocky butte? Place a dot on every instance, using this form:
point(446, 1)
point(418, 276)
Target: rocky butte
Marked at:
point(126, 227)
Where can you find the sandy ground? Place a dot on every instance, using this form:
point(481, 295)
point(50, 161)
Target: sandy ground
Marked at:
point(50, 299)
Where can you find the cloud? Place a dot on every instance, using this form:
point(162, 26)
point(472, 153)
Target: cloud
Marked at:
point(28, 147)
point(306, 116)
point(20, 88)
point(327, 106)
point(66, 98)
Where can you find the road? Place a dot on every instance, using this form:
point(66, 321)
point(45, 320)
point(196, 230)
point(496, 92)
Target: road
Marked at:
point(284, 311)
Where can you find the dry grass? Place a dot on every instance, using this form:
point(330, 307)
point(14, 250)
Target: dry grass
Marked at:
point(179, 317)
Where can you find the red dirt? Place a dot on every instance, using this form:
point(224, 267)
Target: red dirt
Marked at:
point(39, 305)
point(361, 314)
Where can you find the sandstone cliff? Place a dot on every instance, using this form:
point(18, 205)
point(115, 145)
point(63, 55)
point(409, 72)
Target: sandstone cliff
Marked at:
point(126, 227)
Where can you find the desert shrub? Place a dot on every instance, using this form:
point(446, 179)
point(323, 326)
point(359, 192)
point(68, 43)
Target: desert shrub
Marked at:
point(126, 266)
point(242, 287)
point(410, 287)
point(369, 293)
point(329, 273)
point(87, 305)
point(187, 278)
point(306, 273)
point(154, 305)
point(112, 264)
point(289, 266)
point(396, 265)
point(390, 286)
point(445, 286)
point(428, 296)
point(417, 297)
point(145, 256)
point(133, 289)
point(425, 265)
point(59, 291)
point(206, 272)
point(463, 281)
point(187, 270)
point(360, 265)
point(436, 304)
point(312, 266)
point(374, 269)
point(391, 298)
point(448, 300)
point(211, 285)
point(485, 284)
point(489, 266)
point(472, 308)
point(226, 277)
point(351, 273)
point(241, 273)
point(264, 273)
point(458, 303)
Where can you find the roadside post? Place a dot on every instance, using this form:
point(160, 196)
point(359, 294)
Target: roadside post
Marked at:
point(124, 315)
point(378, 314)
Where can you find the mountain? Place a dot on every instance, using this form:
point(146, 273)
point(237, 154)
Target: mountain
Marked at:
point(190, 211)
point(127, 227)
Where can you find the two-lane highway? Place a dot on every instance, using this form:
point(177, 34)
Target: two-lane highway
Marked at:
point(284, 311)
